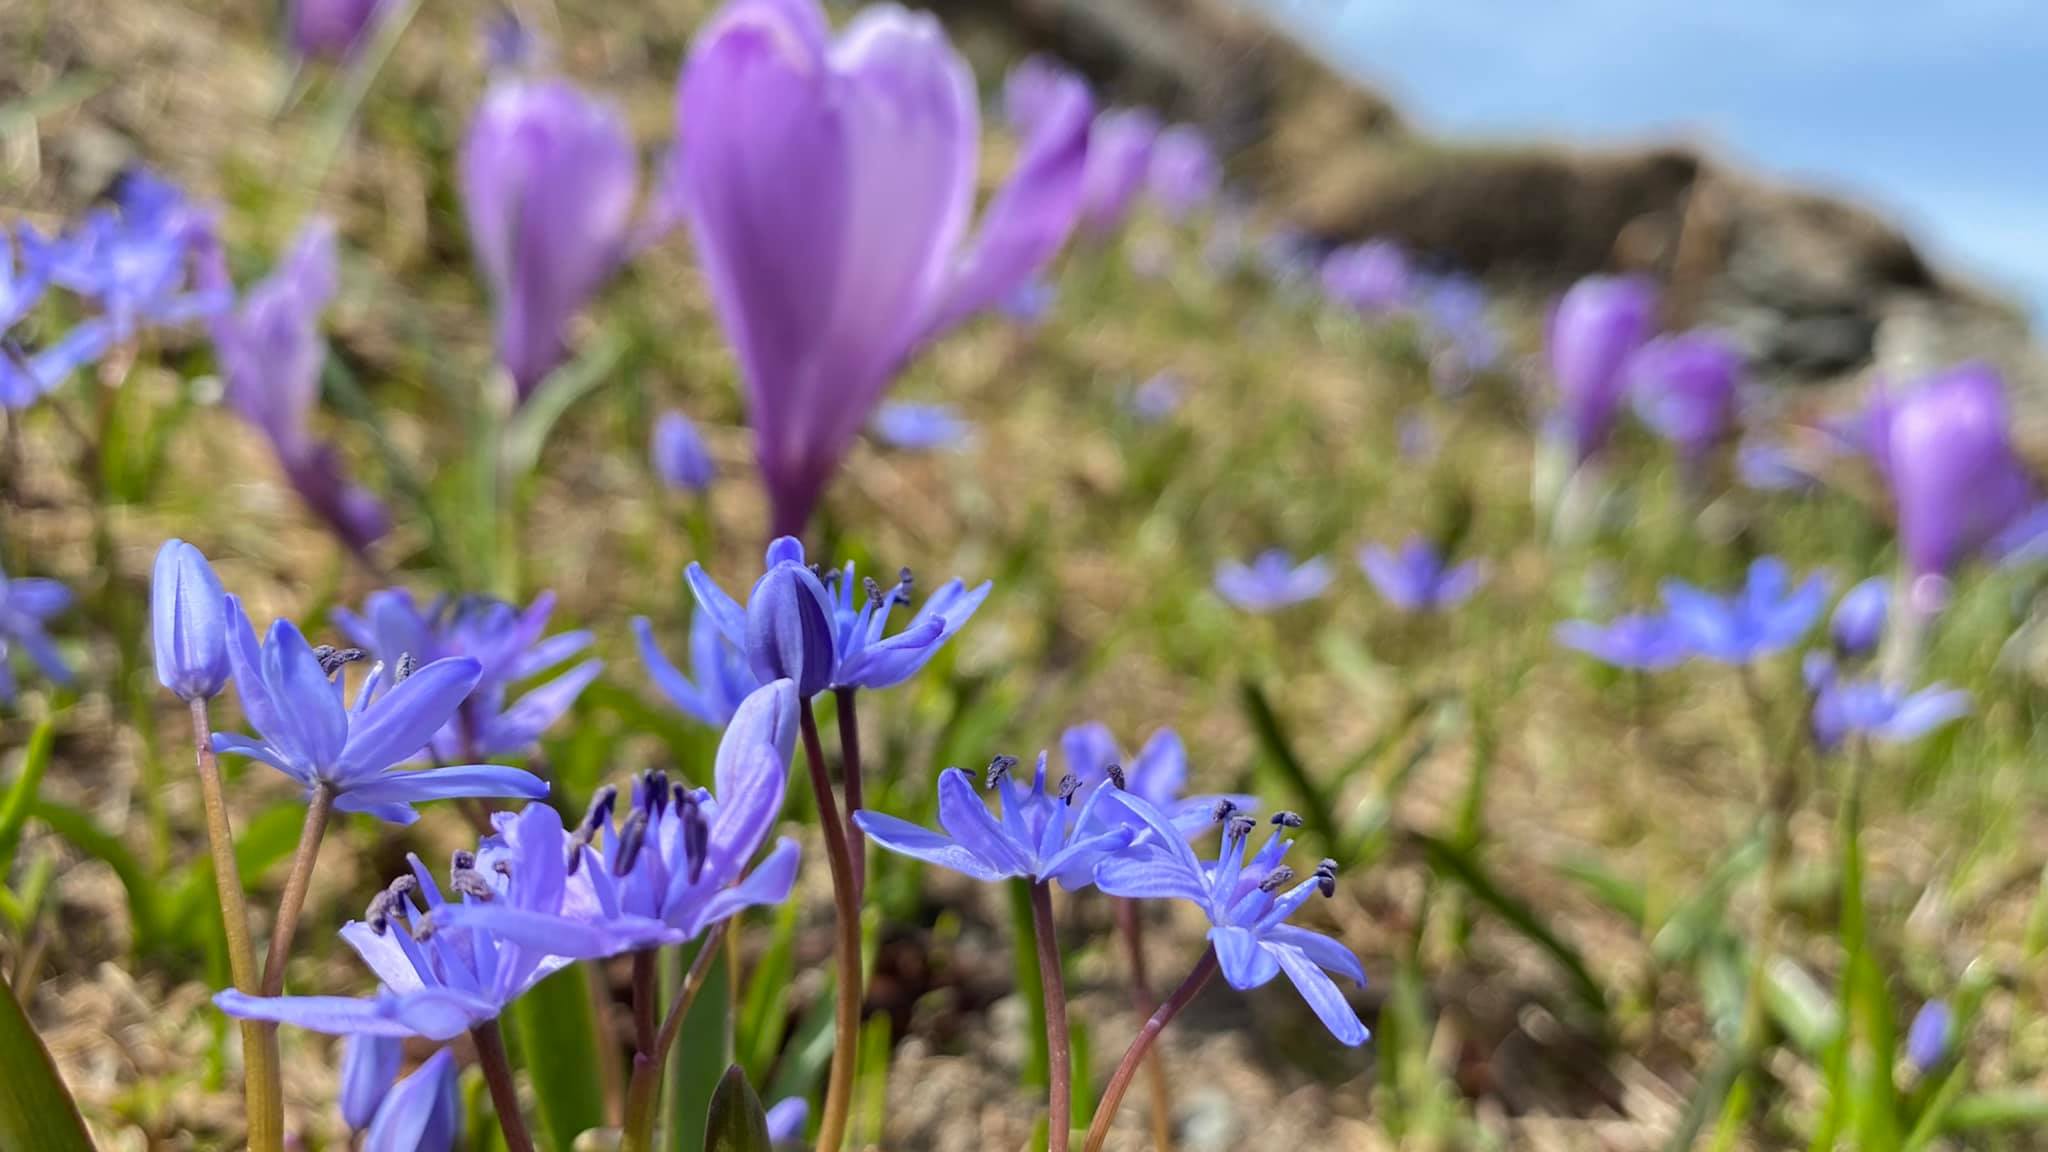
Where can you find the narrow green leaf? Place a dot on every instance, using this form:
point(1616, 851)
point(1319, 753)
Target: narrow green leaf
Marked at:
point(703, 1049)
point(528, 431)
point(1452, 864)
point(2012, 1108)
point(83, 834)
point(736, 1122)
point(871, 1095)
point(557, 1042)
point(21, 796)
point(1029, 985)
point(36, 1110)
point(1279, 751)
point(763, 1012)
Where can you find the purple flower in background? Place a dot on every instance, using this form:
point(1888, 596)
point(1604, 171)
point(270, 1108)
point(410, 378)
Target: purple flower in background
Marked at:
point(722, 676)
point(1119, 154)
point(188, 618)
point(1029, 303)
point(26, 605)
point(1041, 835)
point(1184, 176)
point(1248, 897)
point(1158, 398)
point(1858, 622)
point(794, 627)
point(1453, 314)
point(26, 377)
point(1418, 438)
point(369, 1064)
point(271, 353)
point(1948, 455)
point(786, 1120)
point(291, 694)
point(22, 279)
point(1272, 581)
point(421, 1113)
point(1595, 331)
point(1033, 90)
point(1875, 709)
point(1640, 641)
point(507, 644)
point(438, 978)
point(921, 427)
point(142, 262)
point(1929, 1036)
point(330, 29)
point(1158, 776)
point(1765, 616)
point(1371, 279)
point(1770, 466)
point(548, 176)
point(1416, 579)
point(1685, 388)
point(828, 185)
point(679, 455)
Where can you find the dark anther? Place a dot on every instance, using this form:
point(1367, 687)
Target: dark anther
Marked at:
point(872, 588)
point(631, 837)
point(1116, 777)
point(333, 659)
point(904, 583)
point(573, 859)
point(599, 812)
point(1277, 879)
point(1287, 819)
point(404, 671)
point(1069, 784)
point(999, 768)
point(465, 880)
point(378, 914)
point(1239, 827)
point(696, 836)
point(463, 861)
point(502, 868)
point(654, 793)
point(1326, 878)
point(1224, 811)
point(423, 929)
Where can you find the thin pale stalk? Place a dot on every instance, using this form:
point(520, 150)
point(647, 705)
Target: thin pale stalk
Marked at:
point(846, 947)
point(849, 768)
point(490, 1055)
point(1127, 1068)
point(293, 902)
point(1778, 798)
point(643, 1096)
point(1060, 1068)
point(1132, 928)
point(263, 1090)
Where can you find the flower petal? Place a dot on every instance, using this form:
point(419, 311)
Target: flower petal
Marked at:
point(397, 726)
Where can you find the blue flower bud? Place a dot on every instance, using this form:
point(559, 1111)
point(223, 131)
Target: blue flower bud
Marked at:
point(679, 456)
point(189, 619)
point(789, 628)
point(1929, 1036)
point(368, 1066)
point(1858, 623)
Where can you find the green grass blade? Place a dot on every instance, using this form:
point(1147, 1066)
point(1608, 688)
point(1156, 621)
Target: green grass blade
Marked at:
point(764, 1011)
point(1278, 751)
point(1991, 1111)
point(1447, 861)
point(557, 1034)
point(83, 834)
point(21, 795)
point(36, 1110)
point(702, 1052)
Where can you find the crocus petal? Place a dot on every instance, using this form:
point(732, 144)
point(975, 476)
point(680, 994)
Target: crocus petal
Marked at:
point(407, 717)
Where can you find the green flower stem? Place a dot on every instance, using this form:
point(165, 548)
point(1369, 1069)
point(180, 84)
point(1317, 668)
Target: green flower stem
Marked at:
point(490, 1054)
point(293, 901)
point(1060, 1079)
point(846, 949)
point(1127, 1068)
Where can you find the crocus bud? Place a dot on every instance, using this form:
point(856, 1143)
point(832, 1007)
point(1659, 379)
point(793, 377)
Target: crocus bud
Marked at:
point(1929, 1036)
point(679, 456)
point(1184, 175)
point(789, 624)
point(1955, 479)
point(1858, 623)
point(1119, 152)
point(420, 1114)
point(330, 29)
point(548, 178)
point(1685, 388)
point(189, 622)
point(1598, 326)
point(368, 1066)
point(1031, 88)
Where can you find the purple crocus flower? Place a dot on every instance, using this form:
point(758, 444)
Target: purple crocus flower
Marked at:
point(679, 455)
point(1158, 775)
point(508, 645)
point(1032, 90)
point(1416, 579)
point(1955, 479)
point(723, 678)
point(1640, 641)
point(794, 627)
point(548, 177)
point(271, 353)
point(1119, 154)
point(1272, 581)
point(1685, 388)
point(26, 605)
point(1929, 1036)
point(921, 427)
point(421, 1113)
point(439, 978)
point(142, 261)
point(369, 1064)
point(330, 29)
point(188, 617)
point(1765, 616)
point(1858, 622)
point(1248, 899)
point(1876, 709)
point(1041, 835)
point(292, 696)
point(1371, 279)
point(1185, 176)
point(828, 185)
point(1597, 328)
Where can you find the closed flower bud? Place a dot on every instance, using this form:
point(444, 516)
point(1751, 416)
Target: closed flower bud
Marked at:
point(679, 456)
point(189, 622)
point(789, 629)
point(368, 1066)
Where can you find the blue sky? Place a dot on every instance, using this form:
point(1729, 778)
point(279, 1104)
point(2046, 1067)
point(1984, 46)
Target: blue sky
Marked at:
point(1930, 111)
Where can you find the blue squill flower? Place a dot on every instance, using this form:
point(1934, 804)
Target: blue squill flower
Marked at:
point(1371, 279)
point(26, 605)
point(786, 1120)
point(1248, 899)
point(23, 280)
point(1040, 835)
point(141, 261)
point(292, 696)
point(28, 376)
point(793, 628)
point(1640, 641)
point(420, 1114)
point(369, 1065)
point(1158, 775)
point(679, 456)
point(1858, 622)
point(722, 676)
point(1453, 313)
point(508, 645)
point(1272, 581)
point(1158, 398)
point(921, 427)
point(1765, 616)
point(439, 979)
point(1416, 579)
point(1929, 1036)
point(1876, 709)
point(188, 617)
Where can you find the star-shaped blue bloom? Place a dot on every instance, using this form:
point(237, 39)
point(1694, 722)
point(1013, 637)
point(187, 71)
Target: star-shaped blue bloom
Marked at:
point(1272, 581)
point(1158, 775)
point(721, 676)
point(1876, 709)
point(1641, 641)
point(1416, 579)
point(1040, 835)
point(921, 427)
point(26, 605)
point(1768, 614)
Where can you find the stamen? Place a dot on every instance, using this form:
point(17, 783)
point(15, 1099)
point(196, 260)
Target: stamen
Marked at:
point(423, 929)
point(378, 914)
point(1224, 810)
point(1277, 879)
point(631, 838)
point(1069, 784)
point(1287, 819)
point(1326, 878)
point(904, 583)
point(873, 588)
point(465, 880)
point(334, 659)
point(1239, 827)
point(1116, 777)
point(999, 768)
point(405, 669)
point(654, 793)
point(696, 836)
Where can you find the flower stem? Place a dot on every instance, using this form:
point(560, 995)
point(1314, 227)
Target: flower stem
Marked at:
point(262, 1088)
point(846, 949)
point(644, 1094)
point(1060, 1067)
point(644, 994)
point(293, 902)
point(1777, 800)
point(490, 1054)
point(849, 768)
point(1127, 1068)
point(1132, 928)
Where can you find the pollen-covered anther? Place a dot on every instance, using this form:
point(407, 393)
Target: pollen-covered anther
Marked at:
point(1069, 784)
point(632, 836)
point(998, 768)
point(334, 659)
point(1115, 772)
point(1326, 878)
point(406, 666)
point(1277, 879)
point(1287, 819)
point(1223, 811)
point(1240, 827)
